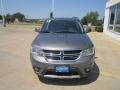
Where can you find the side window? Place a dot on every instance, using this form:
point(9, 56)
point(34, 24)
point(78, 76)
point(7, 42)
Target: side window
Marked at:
point(118, 14)
point(114, 22)
point(117, 24)
point(112, 15)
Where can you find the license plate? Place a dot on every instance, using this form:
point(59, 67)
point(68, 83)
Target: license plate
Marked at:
point(61, 69)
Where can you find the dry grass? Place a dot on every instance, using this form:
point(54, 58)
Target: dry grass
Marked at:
point(25, 26)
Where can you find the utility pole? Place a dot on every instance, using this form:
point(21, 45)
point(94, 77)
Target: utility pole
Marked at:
point(52, 11)
point(3, 16)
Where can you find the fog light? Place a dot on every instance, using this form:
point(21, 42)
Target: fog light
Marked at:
point(37, 69)
point(87, 70)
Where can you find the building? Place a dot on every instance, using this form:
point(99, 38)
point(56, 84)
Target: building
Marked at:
point(112, 18)
point(0, 21)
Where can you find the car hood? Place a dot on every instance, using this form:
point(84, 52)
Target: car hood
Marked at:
point(55, 41)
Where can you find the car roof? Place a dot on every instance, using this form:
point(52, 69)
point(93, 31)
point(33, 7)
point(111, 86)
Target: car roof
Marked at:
point(68, 19)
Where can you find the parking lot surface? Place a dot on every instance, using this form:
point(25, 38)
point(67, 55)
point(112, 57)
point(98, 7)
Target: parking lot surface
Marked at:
point(16, 71)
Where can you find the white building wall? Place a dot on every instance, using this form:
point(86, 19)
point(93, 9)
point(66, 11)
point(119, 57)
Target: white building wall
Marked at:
point(111, 3)
point(106, 20)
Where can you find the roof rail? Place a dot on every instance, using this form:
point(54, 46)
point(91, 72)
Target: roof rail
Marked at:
point(76, 18)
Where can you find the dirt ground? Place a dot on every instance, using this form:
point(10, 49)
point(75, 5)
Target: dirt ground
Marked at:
point(16, 72)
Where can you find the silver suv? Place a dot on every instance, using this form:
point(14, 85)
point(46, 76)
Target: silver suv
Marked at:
point(62, 49)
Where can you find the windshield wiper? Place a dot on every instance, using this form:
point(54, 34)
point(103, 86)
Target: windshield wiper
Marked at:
point(63, 32)
point(49, 32)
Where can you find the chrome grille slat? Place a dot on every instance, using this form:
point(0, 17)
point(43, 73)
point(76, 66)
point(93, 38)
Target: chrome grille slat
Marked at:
point(70, 57)
point(61, 55)
point(51, 52)
point(53, 57)
point(72, 52)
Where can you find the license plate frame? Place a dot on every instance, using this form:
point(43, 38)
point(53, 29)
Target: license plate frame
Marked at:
point(62, 69)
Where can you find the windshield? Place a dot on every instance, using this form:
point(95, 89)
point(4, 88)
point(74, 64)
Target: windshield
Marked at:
point(61, 26)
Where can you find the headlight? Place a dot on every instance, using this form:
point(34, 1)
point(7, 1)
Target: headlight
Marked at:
point(87, 52)
point(36, 51)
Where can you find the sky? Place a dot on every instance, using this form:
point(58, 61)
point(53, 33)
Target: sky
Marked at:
point(63, 8)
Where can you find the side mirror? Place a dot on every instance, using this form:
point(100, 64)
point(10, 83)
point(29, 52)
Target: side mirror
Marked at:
point(87, 29)
point(37, 29)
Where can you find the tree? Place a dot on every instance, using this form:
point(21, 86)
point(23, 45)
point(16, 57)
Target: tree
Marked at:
point(99, 22)
point(19, 16)
point(91, 17)
point(84, 20)
point(0, 17)
point(8, 18)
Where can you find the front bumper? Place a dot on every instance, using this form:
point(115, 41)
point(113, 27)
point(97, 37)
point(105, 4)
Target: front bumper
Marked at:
point(62, 77)
point(78, 68)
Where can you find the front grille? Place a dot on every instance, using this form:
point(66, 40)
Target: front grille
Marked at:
point(49, 52)
point(61, 55)
point(70, 57)
point(53, 57)
point(72, 52)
